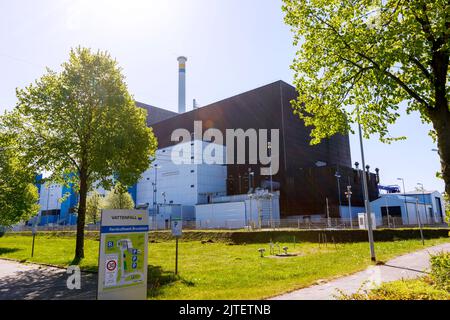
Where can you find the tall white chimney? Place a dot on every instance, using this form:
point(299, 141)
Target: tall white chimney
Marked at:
point(182, 84)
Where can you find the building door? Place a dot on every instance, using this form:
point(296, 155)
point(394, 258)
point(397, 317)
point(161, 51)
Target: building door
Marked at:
point(439, 209)
point(395, 215)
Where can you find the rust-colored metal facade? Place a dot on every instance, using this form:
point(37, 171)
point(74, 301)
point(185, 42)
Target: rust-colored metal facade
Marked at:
point(304, 186)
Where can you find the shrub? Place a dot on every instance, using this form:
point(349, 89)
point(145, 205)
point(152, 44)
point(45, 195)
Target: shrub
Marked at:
point(434, 287)
point(412, 289)
point(440, 270)
point(118, 198)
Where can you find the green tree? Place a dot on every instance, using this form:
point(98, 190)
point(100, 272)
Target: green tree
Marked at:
point(361, 59)
point(94, 204)
point(18, 194)
point(83, 120)
point(118, 198)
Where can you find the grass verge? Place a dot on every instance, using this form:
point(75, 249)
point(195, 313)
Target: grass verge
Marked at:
point(218, 270)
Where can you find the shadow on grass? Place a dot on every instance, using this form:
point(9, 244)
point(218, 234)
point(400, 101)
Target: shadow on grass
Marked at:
point(158, 279)
point(7, 250)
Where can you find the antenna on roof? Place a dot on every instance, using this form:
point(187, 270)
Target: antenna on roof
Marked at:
point(194, 104)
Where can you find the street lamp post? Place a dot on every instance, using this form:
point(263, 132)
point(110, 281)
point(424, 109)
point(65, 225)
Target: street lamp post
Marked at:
point(423, 199)
point(328, 214)
point(49, 194)
point(338, 177)
point(419, 222)
point(155, 192)
point(251, 176)
point(404, 195)
point(269, 147)
point(348, 193)
point(250, 196)
point(366, 194)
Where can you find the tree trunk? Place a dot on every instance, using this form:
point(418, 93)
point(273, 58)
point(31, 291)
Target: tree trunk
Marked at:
point(441, 124)
point(440, 114)
point(79, 250)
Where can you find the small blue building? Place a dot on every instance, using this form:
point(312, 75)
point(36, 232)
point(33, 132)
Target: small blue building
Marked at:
point(409, 208)
point(435, 200)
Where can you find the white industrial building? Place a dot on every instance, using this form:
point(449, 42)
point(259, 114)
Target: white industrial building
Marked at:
point(195, 190)
point(189, 183)
point(50, 198)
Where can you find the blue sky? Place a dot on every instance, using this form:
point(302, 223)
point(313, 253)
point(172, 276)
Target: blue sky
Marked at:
point(232, 46)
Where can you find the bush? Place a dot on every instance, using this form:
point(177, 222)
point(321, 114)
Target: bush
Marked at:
point(412, 289)
point(434, 287)
point(118, 198)
point(337, 236)
point(440, 270)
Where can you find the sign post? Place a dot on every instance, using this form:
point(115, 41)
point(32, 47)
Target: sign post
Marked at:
point(177, 230)
point(34, 231)
point(122, 267)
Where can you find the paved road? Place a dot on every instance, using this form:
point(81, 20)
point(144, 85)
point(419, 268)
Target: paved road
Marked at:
point(408, 266)
point(30, 281)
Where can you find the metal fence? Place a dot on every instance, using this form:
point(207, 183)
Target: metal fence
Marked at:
point(287, 223)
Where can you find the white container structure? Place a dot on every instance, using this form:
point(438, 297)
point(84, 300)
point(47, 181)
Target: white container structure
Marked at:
point(362, 220)
point(259, 209)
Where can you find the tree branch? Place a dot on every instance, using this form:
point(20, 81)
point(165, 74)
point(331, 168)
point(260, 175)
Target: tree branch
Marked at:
point(422, 68)
point(425, 23)
point(403, 85)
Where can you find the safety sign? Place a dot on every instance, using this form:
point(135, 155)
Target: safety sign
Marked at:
point(177, 225)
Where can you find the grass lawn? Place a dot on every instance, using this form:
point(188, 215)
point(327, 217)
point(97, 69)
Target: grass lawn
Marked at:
point(220, 270)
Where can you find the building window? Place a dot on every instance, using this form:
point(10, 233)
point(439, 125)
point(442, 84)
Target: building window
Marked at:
point(192, 185)
point(54, 212)
point(192, 171)
point(393, 211)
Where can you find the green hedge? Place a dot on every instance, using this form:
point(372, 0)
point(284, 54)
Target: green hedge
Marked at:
point(239, 237)
point(338, 236)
